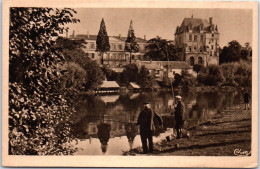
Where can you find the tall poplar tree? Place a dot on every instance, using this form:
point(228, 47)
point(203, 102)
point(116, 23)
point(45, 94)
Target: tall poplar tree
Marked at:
point(130, 44)
point(102, 40)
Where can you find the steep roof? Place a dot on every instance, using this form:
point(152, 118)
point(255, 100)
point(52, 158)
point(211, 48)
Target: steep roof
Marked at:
point(176, 65)
point(134, 85)
point(109, 84)
point(195, 24)
point(150, 65)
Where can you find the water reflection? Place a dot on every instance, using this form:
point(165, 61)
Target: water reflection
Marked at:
point(104, 135)
point(106, 124)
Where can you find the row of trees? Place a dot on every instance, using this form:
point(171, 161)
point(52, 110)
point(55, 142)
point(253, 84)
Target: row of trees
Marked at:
point(103, 44)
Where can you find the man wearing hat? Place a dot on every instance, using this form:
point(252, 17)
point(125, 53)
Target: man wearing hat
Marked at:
point(146, 122)
point(179, 112)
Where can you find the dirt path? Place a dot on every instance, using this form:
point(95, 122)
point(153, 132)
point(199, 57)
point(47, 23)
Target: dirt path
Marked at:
point(219, 137)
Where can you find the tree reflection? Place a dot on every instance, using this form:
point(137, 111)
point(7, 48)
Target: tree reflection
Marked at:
point(104, 135)
point(131, 130)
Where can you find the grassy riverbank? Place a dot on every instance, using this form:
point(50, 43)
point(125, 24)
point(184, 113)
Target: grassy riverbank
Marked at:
point(221, 136)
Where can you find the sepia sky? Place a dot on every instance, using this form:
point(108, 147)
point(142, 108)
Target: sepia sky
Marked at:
point(233, 24)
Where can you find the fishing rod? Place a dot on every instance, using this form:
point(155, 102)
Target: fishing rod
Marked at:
point(168, 68)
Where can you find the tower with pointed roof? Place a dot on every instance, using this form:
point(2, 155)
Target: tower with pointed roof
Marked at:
point(198, 41)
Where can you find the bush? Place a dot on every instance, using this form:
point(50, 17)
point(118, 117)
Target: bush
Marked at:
point(144, 79)
point(110, 74)
point(237, 73)
point(184, 79)
point(211, 76)
point(74, 77)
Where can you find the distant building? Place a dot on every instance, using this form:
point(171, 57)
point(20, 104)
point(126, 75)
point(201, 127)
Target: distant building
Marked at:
point(116, 58)
point(108, 87)
point(158, 69)
point(133, 86)
point(198, 41)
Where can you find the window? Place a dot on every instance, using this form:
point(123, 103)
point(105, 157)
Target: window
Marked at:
point(93, 55)
point(120, 47)
point(114, 47)
point(114, 56)
point(192, 60)
point(212, 47)
point(212, 35)
point(200, 60)
point(195, 47)
point(201, 37)
point(210, 53)
point(190, 38)
point(190, 48)
point(92, 46)
point(195, 38)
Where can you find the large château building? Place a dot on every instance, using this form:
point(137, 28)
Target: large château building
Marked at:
point(117, 57)
point(198, 41)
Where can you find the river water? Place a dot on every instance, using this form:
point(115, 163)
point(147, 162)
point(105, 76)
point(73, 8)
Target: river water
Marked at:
point(105, 125)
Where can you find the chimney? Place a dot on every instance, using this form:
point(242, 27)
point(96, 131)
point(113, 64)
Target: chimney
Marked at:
point(88, 34)
point(144, 37)
point(210, 20)
point(119, 35)
point(73, 34)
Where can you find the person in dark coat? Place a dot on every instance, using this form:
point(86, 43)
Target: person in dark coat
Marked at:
point(246, 99)
point(146, 122)
point(179, 113)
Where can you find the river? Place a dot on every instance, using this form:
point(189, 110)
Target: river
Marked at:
point(105, 125)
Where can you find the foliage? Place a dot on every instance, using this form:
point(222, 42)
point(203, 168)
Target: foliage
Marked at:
point(235, 52)
point(246, 52)
point(131, 45)
point(102, 40)
point(74, 78)
point(184, 79)
point(129, 73)
point(38, 110)
point(94, 75)
point(72, 49)
point(161, 49)
point(144, 79)
point(197, 68)
point(166, 81)
point(211, 76)
point(237, 73)
point(110, 74)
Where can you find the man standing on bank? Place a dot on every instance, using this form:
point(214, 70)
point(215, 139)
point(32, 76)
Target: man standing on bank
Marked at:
point(179, 113)
point(146, 122)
